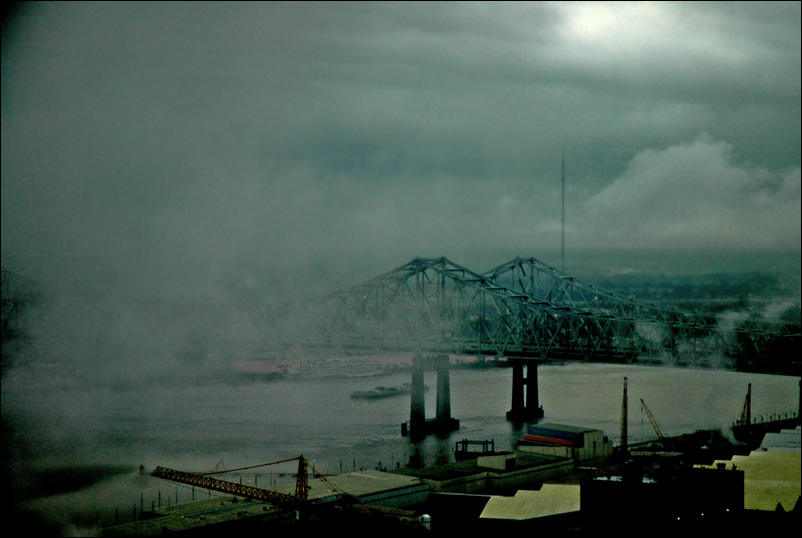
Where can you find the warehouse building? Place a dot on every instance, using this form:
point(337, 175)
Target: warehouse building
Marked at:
point(772, 473)
point(581, 445)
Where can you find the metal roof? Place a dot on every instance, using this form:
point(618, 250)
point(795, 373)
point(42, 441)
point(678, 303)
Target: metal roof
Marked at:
point(784, 441)
point(771, 478)
point(566, 427)
point(550, 500)
point(367, 483)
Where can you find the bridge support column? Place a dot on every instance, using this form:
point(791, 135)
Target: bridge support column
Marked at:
point(443, 389)
point(417, 406)
point(525, 396)
point(533, 408)
point(517, 389)
point(419, 426)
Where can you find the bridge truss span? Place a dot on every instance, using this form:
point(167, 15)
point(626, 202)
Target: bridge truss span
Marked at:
point(523, 308)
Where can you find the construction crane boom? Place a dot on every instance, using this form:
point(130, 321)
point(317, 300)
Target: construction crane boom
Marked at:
point(656, 426)
point(624, 419)
point(746, 412)
point(275, 497)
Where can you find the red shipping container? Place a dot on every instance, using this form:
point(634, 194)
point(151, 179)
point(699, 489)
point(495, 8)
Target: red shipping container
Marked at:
point(548, 440)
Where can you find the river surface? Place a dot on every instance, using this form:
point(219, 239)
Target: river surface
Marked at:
point(56, 421)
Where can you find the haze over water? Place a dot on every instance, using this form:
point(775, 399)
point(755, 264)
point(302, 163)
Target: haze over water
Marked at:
point(173, 170)
point(199, 428)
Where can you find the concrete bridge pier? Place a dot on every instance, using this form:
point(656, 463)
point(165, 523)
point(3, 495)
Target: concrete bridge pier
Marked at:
point(417, 412)
point(443, 413)
point(442, 423)
point(525, 397)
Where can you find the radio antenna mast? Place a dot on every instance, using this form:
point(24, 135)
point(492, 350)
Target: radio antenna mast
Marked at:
point(563, 212)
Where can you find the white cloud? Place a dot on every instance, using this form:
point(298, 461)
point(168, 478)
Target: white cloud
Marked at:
point(697, 194)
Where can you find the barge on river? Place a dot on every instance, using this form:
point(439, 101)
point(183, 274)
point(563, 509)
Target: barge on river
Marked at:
point(382, 392)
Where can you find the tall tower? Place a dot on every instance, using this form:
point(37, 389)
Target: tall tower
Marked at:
point(562, 241)
point(624, 420)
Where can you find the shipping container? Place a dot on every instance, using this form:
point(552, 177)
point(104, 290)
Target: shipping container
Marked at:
point(554, 431)
point(548, 440)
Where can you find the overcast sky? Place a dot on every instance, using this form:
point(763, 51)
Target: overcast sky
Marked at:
point(189, 143)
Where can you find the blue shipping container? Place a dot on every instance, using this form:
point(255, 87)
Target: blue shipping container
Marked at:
point(577, 437)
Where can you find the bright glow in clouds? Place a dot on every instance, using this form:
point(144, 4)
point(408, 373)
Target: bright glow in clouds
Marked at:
point(618, 32)
point(167, 148)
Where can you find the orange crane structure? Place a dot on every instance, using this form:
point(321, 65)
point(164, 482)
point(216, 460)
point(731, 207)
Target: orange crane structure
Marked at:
point(624, 420)
point(655, 425)
point(204, 480)
point(746, 413)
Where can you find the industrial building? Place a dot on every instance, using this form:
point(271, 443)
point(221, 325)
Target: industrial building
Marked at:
point(772, 473)
point(682, 497)
point(581, 445)
point(520, 488)
point(499, 472)
point(560, 478)
point(549, 504)
point(741, 493)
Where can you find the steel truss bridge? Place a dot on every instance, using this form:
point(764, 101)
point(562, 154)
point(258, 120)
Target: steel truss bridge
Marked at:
point(525, 308)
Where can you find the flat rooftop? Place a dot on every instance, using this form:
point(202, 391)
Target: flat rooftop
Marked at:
point(565, 427)
point(524, 460)
point(368, 486)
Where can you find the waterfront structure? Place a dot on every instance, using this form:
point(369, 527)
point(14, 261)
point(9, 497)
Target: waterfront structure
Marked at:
point(369, 491)
point(573, 442)
point(498, 472)
point(685, 498)
point(524, 490)
point(771, 473)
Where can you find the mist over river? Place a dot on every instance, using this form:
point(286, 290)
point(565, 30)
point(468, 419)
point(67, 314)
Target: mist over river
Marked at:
point(75, 451)
point(103, 391)
point(187, 182)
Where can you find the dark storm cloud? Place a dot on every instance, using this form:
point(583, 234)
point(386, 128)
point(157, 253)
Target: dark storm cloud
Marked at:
point(169, 147)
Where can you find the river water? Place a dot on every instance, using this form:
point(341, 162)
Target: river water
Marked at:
point(57, 421)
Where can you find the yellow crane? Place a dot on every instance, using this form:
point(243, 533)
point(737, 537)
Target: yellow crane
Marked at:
point(296, 502)
point(204, 480)
point(656, 426)
point(746, 412)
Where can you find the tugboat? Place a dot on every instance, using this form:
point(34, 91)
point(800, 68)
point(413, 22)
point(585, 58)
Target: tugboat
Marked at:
point(382, 392)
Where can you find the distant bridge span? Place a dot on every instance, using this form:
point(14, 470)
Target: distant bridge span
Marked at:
point(524, 308)
point(526, 311)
